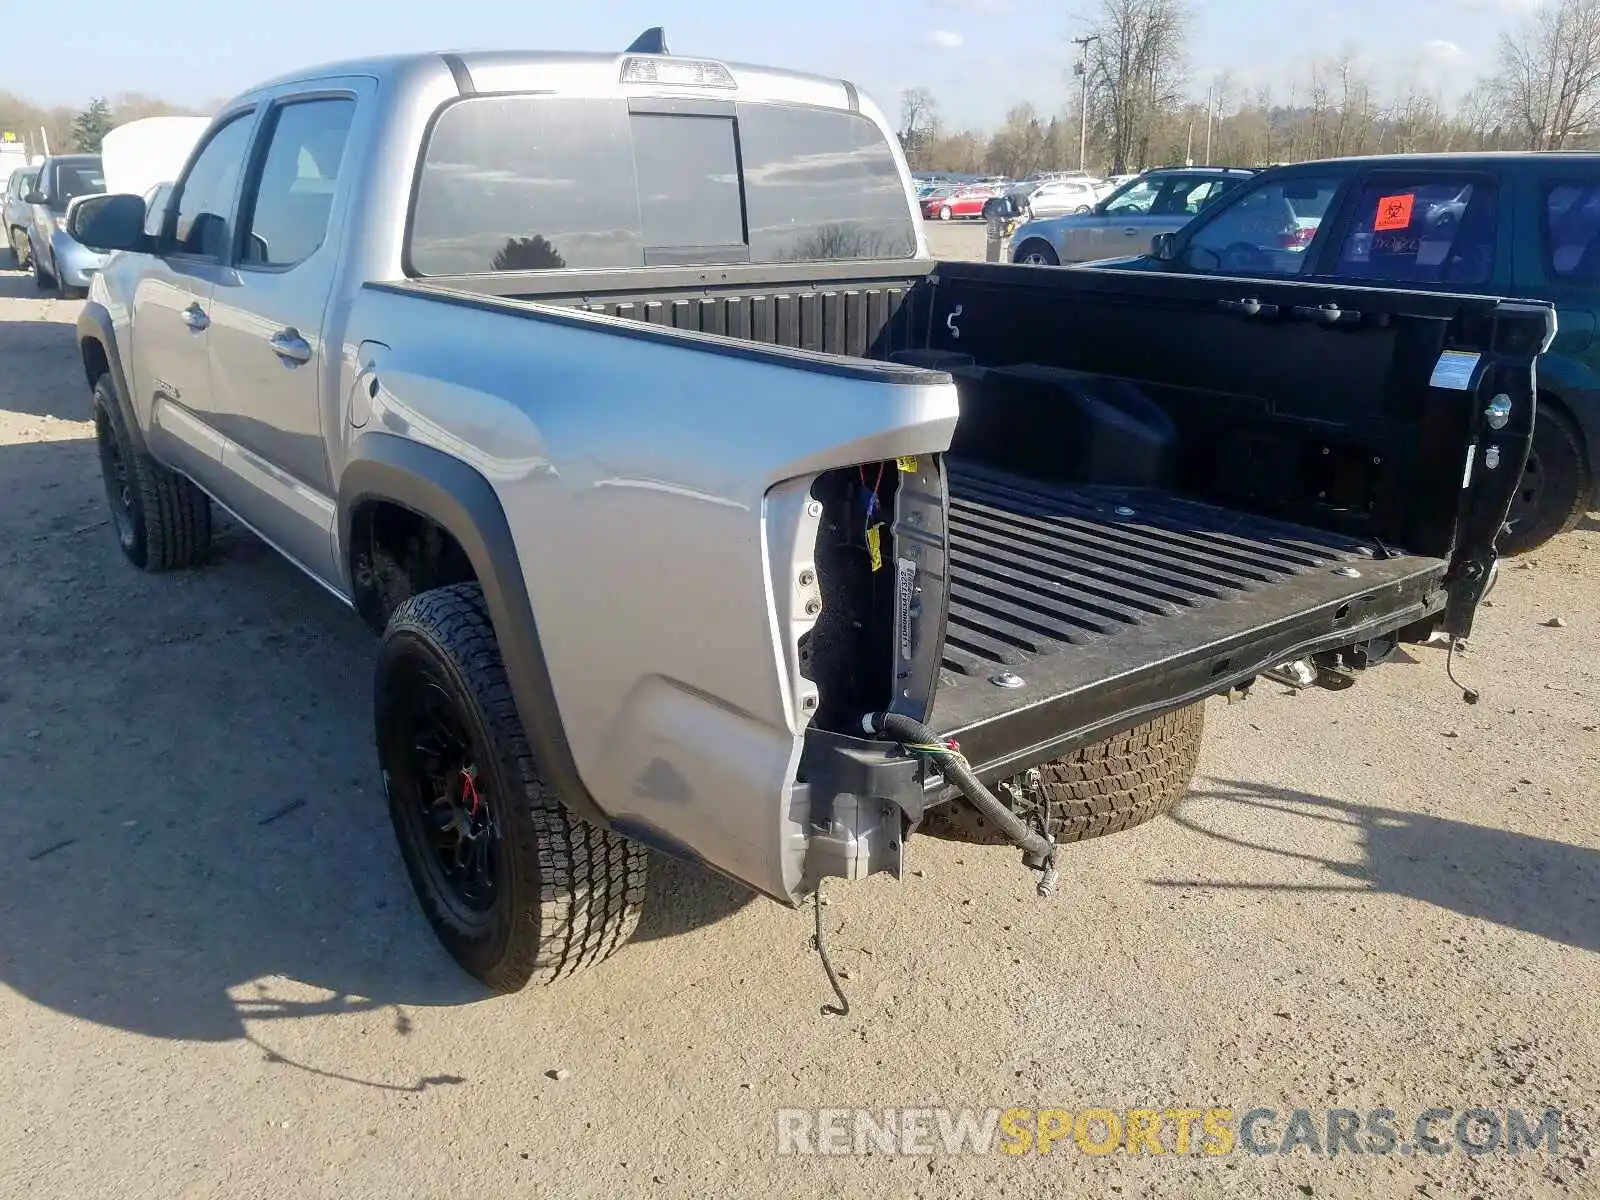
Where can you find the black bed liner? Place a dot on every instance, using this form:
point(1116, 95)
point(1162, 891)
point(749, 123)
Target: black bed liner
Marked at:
point(1072, 588)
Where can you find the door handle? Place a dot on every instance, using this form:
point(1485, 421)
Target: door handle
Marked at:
point(195, 318)
point(288, 345)
point(1131, 231)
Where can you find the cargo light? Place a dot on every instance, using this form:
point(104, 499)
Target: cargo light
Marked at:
point(682, 72)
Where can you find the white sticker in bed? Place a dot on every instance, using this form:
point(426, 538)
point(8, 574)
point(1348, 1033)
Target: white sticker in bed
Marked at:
point(1454, 370)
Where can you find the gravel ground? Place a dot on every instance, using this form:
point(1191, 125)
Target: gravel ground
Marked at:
point(214, 980)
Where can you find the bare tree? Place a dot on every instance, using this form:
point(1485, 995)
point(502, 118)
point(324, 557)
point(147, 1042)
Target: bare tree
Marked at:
point(1136, 72)
point(1549, 77)
point(919, 123)
point(1022, 144)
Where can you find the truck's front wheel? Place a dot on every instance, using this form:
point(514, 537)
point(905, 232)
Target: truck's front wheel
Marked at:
point(516, 887)
point(1109, 786)
point(163, 521)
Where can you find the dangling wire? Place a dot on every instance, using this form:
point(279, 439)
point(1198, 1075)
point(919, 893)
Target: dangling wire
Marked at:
point(1470, 695)
point(842, 1009)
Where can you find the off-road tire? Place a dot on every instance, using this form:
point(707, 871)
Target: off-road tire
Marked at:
point(42, 279)
point(165, 522)
point(21, 252)
point(1106, 787)
point(1564, 484)
point(568, 894)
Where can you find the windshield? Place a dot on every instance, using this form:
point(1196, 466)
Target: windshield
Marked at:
point(539, 182)
point(73, 179)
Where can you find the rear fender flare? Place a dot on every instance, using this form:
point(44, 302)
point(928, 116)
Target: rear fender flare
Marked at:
point(461, 501)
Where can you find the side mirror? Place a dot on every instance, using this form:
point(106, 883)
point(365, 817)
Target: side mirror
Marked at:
point(114, 222)
point(1163, 247)
point(35, 197)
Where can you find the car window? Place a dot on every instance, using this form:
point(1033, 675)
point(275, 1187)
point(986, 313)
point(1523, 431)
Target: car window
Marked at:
point(1264, 230)
point(287, 219)
point(1135, 200)
point(1571, 223)
point(69, 180)
point(1421, 230)
point(533, 182)
point(205, 196)
point(1184, 196)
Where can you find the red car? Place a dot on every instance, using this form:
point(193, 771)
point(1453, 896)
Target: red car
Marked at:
point(967, 202)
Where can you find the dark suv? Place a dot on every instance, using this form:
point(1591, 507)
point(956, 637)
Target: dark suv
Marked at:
point(1521, 225)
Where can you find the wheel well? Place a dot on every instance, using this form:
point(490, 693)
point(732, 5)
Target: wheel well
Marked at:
point(95, 362)
point(1551, 400)
point(396, 553)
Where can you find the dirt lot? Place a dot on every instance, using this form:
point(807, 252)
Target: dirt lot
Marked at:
point(214, 981)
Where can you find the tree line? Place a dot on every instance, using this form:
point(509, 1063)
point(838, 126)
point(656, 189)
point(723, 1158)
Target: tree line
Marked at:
point(1543, 93)
point(66, 129)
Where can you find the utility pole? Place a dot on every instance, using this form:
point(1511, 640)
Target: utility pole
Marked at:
point(1082, 70)
point(1208, 124)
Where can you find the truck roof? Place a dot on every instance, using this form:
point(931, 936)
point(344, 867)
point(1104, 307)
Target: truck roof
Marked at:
point(567, 71)
point(1446, 159)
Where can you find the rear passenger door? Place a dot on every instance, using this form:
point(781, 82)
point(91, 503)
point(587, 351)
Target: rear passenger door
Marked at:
point(1564, 265)
point(273, 379)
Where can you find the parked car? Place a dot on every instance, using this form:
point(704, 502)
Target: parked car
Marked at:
point(59, 260)
point(1507, 224)
point(959, 204)
point(1157, 201)
point(1059, 197)
point(731, 524)
point(18, 214)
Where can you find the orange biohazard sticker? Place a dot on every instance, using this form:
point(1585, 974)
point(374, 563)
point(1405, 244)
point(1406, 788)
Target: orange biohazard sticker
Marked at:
point(1394, 212)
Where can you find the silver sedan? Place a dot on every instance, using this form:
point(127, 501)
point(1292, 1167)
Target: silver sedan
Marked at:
point(1160, 201)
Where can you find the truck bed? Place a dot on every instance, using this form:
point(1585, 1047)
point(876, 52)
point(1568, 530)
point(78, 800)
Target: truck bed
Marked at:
point(1294, 474)
point(1079, 589)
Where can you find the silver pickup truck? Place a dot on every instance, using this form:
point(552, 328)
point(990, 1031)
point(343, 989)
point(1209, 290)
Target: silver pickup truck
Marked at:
point(699, 510)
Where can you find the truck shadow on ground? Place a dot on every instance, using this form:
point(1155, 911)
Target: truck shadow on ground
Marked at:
point(1532, 884)
point(196, 839)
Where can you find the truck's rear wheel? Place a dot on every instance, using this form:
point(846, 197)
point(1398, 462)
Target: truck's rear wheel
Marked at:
point(1103, 788)
point(516, 887)
point(163, 521)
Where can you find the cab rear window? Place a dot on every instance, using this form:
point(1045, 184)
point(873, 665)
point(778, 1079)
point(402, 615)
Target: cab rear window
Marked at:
point(541, 183)
point(1421, 230)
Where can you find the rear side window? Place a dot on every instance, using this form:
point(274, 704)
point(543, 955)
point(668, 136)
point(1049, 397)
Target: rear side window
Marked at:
point(531, 182)
point(1266, 230)
point(1572, 221)
point(287, 218)
point(1427, 230)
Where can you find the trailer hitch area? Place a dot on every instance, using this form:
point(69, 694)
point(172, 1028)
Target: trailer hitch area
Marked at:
point(1320, 670)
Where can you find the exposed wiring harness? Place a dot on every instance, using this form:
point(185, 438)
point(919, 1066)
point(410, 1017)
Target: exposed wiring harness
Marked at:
point(1038, 848)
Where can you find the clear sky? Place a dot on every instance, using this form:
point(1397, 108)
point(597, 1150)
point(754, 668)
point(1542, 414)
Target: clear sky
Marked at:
point(979, 56)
